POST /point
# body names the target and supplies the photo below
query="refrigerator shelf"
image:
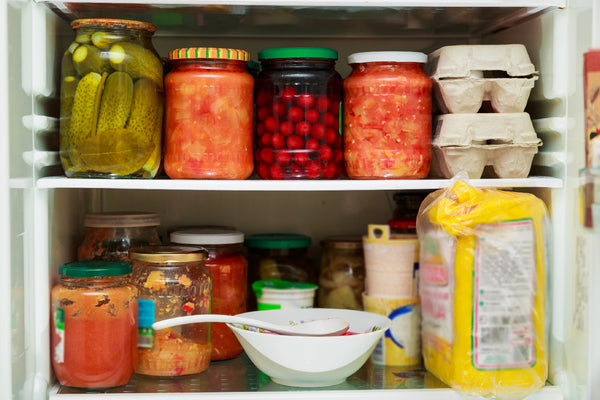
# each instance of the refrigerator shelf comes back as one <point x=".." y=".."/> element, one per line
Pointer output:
<point x="240" y="379"/>
<point x="287" y="185"/>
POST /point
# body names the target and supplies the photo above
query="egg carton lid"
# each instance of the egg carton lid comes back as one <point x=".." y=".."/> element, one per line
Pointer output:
<point x="462" y="61"/>
<point x="509" y="161"/>
<point x="466" y="95"/>
<point x="480" y="128"/>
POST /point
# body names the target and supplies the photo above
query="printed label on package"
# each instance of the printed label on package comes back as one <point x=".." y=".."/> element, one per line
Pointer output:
<point x="145" y="321"/>
<point x="59" y="329"/>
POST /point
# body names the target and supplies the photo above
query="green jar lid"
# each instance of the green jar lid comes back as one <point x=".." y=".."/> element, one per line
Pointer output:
<point x="279" y="284"/>
<point x="94" y="269"/>
<point x="297" y="52"/>
<point x="277" y="241"/>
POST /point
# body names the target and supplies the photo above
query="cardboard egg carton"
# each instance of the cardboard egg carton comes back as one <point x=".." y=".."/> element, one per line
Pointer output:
<point x="470" y="142"/>
<point x="459" y="82"/>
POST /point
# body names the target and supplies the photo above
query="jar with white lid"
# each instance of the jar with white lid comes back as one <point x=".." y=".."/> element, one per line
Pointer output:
<point x="387" y="116"/>
<point x="229" y="269"/>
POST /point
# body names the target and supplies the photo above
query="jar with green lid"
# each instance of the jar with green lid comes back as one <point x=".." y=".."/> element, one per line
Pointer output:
<point x="342" y="273"/>
<point x="298" y="96"/>
<point x="94" y="325"/>
<point x="110" y="235"/>
<point x="172" y="282"/>
<point x="111" y="100"/>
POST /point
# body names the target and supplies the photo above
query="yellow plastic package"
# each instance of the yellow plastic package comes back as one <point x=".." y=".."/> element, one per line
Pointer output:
<point x="482" y="287"/>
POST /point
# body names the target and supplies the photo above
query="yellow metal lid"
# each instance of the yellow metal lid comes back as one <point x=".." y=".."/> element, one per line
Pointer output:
<point x="209" y="53"/>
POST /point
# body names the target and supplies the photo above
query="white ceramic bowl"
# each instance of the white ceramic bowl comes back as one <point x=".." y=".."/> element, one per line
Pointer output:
<point x="310" y="361"/>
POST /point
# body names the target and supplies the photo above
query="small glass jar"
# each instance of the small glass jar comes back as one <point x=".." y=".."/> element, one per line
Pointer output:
<point x="111" y="101"/>
<point x="404" y="219"/>
<point x="94" y="325"/>
<point x="209" y="114"/>
<point x="172" y="281"/>
<point x="229" y="269"/>
<point x="110" y="236"/>
<point x="387" y="116"/>
<point x="342" y="274"/>
<point x="298" y="97"/>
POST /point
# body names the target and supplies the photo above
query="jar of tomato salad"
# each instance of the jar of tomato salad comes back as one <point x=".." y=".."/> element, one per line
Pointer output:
<point x="229" y="269"/>
<point x="110" y="235"/>
<point x="209" y="114"/>
<point x="111" y="101"/>
<point x="387" y="116"/>
<point x="94" y="325"/>
<point x="172" y="281"/>
<point x="298" y="95"/>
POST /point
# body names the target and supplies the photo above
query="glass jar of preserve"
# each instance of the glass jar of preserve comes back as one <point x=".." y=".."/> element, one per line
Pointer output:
<point x="110" y="236"/>
<point x="172" y="281"/>
<point x="111" y="101"/>
<point x="387" y="116"/>
<point x="209" y="114"/>
<point x="298" y="95"/>
<point x="229" y="269"/>
<point x="342" y="274"/>
<point x="406" y="211"/>
<point x="94" y="325"/>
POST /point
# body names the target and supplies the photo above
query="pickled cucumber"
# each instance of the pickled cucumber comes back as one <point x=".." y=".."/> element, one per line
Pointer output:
<point x="104" y="40"/>
<point x="88" y="58"/>
<point x="67" y="68"/>
<point x="82" y="38"/>
<point x="116" y="101"/>
<point x="153" y="163"/>
<point x="146" y="108"/>
<point x="137" y="61"/>
<point x="67" y="93"/>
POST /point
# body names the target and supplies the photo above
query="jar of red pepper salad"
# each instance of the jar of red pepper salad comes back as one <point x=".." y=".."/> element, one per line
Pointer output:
<point x="94" y="325"/>
<point x="229" y="269"/>
<point x="110" y="235"/>
<point x="172" y="281"/>
<point x="387" y="116"/>
<point x="208" y="114"/>
<point x="298" y="95"/>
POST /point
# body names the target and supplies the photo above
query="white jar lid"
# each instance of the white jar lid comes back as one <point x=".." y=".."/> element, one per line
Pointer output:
<point x="387" y="56"/>
<point x="202" y="236"/>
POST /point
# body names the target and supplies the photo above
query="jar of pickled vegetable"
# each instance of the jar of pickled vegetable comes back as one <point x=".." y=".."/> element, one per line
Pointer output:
<point x="387" y="116"/>
<point x="209" y="114"/>
<point x="298" y="95"/>
<point x="110" y="236"/>
<point x="342" y="274"/>
<point x="111" y="101"/>
<point x="229" y="269"/>
<point x="94" y="325"/>
<point x="172" y="281"/>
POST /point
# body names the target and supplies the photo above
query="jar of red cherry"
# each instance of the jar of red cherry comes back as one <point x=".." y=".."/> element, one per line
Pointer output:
<point x="209" y="108"/>
<point x="387" y="116"/>
<point x="298" y="95"/>
<point x="229" y="269"/>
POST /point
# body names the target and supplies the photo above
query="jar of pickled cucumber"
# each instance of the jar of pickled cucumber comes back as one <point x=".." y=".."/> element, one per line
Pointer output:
<point x="111" y="101"/>
<point x="172" y="281"/>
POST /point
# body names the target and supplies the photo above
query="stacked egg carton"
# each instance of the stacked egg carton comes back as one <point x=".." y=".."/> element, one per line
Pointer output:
<point x="465" y="139"/>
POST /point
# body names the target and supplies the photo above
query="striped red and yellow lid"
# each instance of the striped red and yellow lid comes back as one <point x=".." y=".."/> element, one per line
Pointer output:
<point x="209" y="53"/>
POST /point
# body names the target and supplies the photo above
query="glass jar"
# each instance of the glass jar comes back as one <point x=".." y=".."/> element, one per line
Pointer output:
<point x="298" y="96"/>
<point x="387" y="116"/>
<point x="110" y="236"/>
<point x="111" y="101"/>
<point x="209" y="114"/>
<point x="406" y="211"/>
<point x="172" y="281"/>
<point x="94" y="325"/>
<point x="229" y="269"/>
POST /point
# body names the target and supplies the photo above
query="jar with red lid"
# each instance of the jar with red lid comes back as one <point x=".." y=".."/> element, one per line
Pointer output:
<point x="110" y="235"/>
<point x="111" y="100"/>
<point x="229" y="269"/>
<point x="387" y="116"/>
<point x="94" y="325"/>
<point x="209" y="98"/>
<point x="172" y="281"/>
<point x="298" y="96"/>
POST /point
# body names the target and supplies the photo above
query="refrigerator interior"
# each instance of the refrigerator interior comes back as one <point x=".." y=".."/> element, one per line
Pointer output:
<point x="42" y="211"/>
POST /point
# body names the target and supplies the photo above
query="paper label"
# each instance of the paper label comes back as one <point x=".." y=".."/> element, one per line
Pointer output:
<point x="59" y="329"/>
<point x="503" y="295"/>
<point x="145" y="321"/>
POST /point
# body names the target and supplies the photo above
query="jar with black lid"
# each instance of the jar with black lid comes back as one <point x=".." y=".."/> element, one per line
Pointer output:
<point x="298" y="95"/>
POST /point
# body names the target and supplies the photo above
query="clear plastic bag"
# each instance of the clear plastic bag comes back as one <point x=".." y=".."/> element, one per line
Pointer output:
<point x="483" y="265"/>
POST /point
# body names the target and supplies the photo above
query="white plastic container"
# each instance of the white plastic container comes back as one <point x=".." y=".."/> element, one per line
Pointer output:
<point x="274" y="294"/>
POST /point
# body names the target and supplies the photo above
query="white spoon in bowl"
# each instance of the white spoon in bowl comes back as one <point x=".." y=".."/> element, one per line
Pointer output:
<point x="319" y="327"/>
